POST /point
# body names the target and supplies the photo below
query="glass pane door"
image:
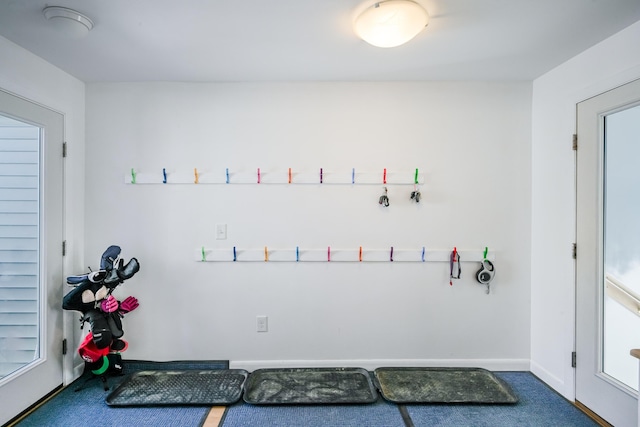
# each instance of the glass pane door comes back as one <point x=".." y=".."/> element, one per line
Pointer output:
<point x="621" y="296"/>
<point x="31" y="235"/>
<point x="19" y="242"/>
<point x="607" y="231"/>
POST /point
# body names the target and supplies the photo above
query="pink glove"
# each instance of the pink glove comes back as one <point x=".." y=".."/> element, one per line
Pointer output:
<point x="129" y="304"/>
<point x="109" y="305"/>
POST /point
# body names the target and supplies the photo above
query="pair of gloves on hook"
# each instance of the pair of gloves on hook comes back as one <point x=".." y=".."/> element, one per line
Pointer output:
<point x="384" y="199"/>
<point x="92" y="296"/>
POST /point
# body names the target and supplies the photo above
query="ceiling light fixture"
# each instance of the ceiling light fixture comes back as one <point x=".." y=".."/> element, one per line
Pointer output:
<point x="391" y="23"/>
<point x="69" y="21"/>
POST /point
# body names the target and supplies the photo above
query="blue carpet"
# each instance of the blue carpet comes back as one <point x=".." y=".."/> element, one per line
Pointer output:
<point x="539" y="405"/>
<point x="87" y="407"/>
<point x="379" y="414"/>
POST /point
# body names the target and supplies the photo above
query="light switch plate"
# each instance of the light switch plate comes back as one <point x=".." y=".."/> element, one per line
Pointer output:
<point x="221" y="231"/>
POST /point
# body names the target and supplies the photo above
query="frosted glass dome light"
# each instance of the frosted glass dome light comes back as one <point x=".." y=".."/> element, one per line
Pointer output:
<point x="68" y="21"/>
<point x="391" y="23"/>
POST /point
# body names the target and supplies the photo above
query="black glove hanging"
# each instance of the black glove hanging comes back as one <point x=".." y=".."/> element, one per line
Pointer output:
<point x="384" y="199"/>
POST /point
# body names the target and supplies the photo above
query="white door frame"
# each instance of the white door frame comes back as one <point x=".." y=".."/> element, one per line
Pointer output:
<point x="594" y="389"/>
<point x="31" y="383"/>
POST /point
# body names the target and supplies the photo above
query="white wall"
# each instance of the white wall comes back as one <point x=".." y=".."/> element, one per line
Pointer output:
<point x="30" y="77"/>
<point x="471" y="139"/>
<point x="611" y="63"/>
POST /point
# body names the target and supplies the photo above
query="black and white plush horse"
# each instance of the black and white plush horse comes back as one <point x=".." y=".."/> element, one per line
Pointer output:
<point x="92" y="296"/>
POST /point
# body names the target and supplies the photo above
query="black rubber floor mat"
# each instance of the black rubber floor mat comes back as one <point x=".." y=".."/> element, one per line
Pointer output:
<point x="189" y="387"/>
<point x="309" y="386"/>
<point x="442" y="385"/>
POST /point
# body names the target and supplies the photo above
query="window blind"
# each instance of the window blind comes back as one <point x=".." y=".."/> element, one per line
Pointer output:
<point x="19" y="244"/>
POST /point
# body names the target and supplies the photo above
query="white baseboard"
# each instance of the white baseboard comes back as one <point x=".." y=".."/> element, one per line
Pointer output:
<point x="553" y="381"/>
<point x="371" y="364"/>
<point x="78" y="370"/>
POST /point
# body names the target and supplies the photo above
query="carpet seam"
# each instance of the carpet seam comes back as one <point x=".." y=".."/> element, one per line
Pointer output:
<point x="224" y="416"/>
<point x="406" y="417"/>
<point x="204" y="417"/>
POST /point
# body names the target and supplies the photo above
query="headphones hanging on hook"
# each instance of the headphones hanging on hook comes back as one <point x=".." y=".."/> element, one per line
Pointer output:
<point x="486" y="273"/>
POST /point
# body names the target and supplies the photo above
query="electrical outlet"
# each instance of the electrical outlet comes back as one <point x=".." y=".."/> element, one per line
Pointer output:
<point x="262" y="324"/>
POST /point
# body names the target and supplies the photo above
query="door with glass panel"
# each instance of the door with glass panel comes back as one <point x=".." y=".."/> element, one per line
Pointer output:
<point x="31" y="209"/>
<point x="608" y="254"/>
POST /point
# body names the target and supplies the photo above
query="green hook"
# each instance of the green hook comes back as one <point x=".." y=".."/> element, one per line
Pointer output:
<point x="204" y="255"/>
<point x="133" y="176"/>
<point x="486" y="251"/>
<point x="415" y="179"/>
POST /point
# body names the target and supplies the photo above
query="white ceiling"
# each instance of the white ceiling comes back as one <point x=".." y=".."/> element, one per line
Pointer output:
<point x="311" y="40"/>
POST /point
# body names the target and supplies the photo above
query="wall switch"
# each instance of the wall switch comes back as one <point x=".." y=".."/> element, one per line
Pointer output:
<point x="262" y="324"/>
<point x="221" y="231"/>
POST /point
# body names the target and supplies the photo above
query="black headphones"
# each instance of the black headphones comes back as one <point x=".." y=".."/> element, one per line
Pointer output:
<point x="486" y="272"/>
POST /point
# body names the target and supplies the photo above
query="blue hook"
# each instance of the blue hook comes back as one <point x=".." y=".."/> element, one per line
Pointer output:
<point x="297" y="254"/>
<point x="234" y="254"/>
<point x="353" y="175"/>
<point x="164" y="176"/>
<point x="391" y="255"/>
<point x="227" y="175"/>
<point x="423" y="254"/>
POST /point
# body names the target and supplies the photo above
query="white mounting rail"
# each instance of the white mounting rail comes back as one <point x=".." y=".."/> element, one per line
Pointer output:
<point x="286" y="176"/>
<point x="329" y="254"/>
